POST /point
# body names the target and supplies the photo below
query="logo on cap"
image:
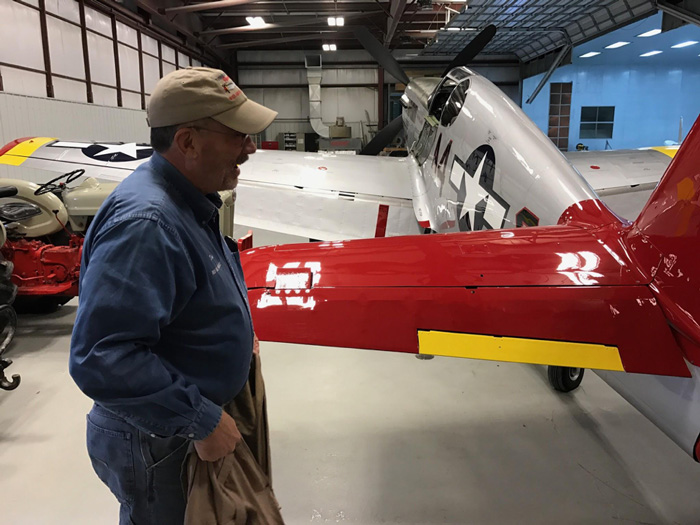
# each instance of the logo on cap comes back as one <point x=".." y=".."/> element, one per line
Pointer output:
<point x="230" y="88"/>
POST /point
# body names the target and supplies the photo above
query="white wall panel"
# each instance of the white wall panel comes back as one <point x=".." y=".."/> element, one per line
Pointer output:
<point x="66" y="8"/>
<point x="22" y="116"/>
<point x="168" y="53"/>
<point x="35" y="3"/>
<point x="23" y="82"/>
<point x="298" y="76"/>
<point x="292" y="104"/>
<point x="168" y="68"/>
<point x="104" y="96"/>
<point x="66" y="48"/>
<point x="131" y="100"/>
<point x="151" y="73"/>
<point x="69" y="90"/>
<point x="127" y="35"/>
<point x="289" y="103"/>
<point x="129" y="68"/>
<point x="350" y="103"/>
<point x="271" y="77"/>
<point x="101" y="51"/>
<point x="196" y="63"/>
<point x="149" y="45"/>
<point x="349" y="76"/>
<point x="349" y="56"/>
<point x="20" y="35"/>
<point x="183" y="60"/>
<point x="97" y="22"/>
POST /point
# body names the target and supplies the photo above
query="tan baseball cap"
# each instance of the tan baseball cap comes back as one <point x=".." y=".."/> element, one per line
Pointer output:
<point x="195" y="93"/>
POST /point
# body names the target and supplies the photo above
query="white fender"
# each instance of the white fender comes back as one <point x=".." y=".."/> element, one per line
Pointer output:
<point x="44" y="224"/>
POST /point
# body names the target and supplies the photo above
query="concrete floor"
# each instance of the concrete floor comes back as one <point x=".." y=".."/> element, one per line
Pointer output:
<point x="369" y="437"/>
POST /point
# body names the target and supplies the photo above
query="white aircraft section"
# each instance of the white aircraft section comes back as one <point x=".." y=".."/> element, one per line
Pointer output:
<point x="672" y="403"/>
<point x="491" y="171"/>
<point x="610" y="172"/>
<point x="326" y="196"/>
<point x="379" y="176"/>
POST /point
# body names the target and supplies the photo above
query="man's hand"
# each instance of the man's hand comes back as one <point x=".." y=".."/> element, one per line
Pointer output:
<point x="221" y="442"/>
<point x="256" y="345"/>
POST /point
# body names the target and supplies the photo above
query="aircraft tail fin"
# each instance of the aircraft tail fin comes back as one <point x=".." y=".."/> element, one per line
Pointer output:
<point x="665" y="240"/>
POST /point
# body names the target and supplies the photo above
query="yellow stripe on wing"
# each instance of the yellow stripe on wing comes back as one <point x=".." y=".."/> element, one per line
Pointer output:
<point x="667" y="150"/>
<point x="519" y="350"/>
<point x="22" y="151"/>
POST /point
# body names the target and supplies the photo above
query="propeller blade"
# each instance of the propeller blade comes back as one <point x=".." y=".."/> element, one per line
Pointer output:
<point x="473" y="48"/>
<point x="381" y="54"/>
<point x="382" y="139"/>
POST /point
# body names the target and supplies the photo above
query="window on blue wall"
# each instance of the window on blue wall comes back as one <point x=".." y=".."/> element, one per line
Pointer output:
<point x="597" y="122"/>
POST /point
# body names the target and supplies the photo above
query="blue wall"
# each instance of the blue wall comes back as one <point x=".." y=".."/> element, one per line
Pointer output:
<point x="649" y="101"/>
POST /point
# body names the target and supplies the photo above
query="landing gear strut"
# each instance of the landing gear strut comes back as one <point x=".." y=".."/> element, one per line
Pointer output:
<point x="564" y="378"/>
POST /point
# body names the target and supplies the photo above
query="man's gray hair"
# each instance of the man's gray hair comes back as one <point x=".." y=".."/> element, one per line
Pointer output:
<point x="162" y="138"/>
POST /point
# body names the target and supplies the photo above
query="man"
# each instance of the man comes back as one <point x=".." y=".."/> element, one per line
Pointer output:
<point x="163" y="337"/>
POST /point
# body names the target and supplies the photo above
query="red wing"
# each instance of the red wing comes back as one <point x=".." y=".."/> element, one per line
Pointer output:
<point x="559" y="295"/>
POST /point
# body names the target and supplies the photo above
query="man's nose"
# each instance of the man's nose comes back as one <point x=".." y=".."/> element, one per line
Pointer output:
<point x="249" y="147"/>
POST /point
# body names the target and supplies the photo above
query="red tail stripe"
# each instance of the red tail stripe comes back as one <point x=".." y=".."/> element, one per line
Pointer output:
<point x="382" y="218"/>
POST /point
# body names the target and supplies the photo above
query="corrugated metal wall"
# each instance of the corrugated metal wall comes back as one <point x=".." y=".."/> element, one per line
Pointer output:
<point x="22" y="116"/>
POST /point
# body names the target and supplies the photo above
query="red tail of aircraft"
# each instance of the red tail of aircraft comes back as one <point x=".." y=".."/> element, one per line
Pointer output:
<point x="664" y="242"/>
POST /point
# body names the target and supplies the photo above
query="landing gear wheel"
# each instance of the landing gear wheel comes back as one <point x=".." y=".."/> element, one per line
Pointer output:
<point x="565" y="378"/>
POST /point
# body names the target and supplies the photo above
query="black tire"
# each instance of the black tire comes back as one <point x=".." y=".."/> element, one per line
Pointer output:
<point x="8" y="326"/>
<point x="564" y="378"/>
<point x="8" y="290"/>
<point x="25" y="304"/>
<point x="6" y="268"/>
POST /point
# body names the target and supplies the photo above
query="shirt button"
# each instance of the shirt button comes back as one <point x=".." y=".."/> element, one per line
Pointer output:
<point x="190" y="435"/>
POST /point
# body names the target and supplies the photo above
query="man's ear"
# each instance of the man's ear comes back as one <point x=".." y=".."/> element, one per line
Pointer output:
<point x="185" y="141"/>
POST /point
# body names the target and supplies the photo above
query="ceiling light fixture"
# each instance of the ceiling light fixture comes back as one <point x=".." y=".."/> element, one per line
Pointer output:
<point x="650" y="53"/>
<point x="685" y="44"/>
<point x="326" y="47"/>
<point x="616" y="45"/>
<point x="334" y="47"/>
<point x="590" y="54"/>
<point x="336" y="21"/>
<point x="255" y="21"/>
<point x="653" y="32"/>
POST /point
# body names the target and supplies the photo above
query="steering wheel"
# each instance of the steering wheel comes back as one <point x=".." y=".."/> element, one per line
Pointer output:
<point x="51" y="186"/>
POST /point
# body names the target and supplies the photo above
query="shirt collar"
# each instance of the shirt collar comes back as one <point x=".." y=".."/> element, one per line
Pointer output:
<point x="203" y="206"/>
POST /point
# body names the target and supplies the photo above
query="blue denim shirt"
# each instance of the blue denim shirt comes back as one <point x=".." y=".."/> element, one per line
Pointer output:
<point x="163" y="335"/>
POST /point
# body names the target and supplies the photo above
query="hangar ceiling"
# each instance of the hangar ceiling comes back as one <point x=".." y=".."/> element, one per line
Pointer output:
<point x="527" y="29"/>
<point x="530" y="29"/>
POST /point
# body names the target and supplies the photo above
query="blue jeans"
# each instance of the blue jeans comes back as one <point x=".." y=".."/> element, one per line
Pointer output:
<point x="142" y="471"/>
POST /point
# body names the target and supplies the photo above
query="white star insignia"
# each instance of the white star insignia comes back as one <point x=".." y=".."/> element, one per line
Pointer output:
<point x="129" y="149"/>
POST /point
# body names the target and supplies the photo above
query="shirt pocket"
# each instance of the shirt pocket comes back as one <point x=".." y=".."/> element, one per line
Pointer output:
<point x="112" y="457"/>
